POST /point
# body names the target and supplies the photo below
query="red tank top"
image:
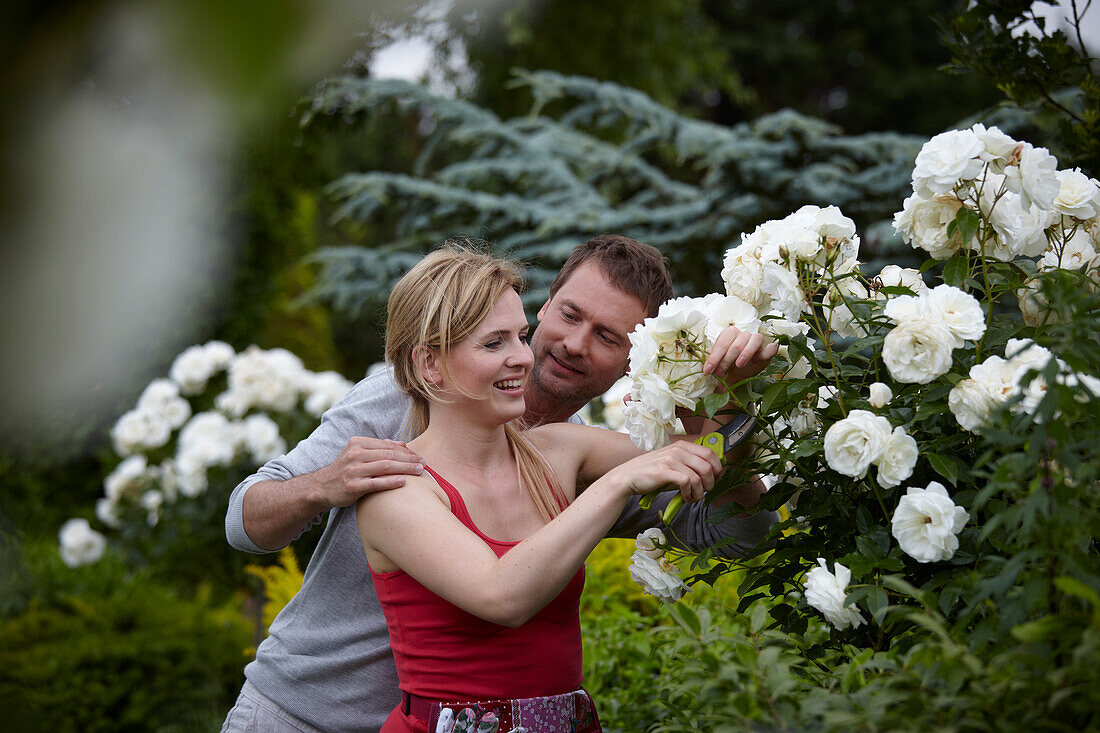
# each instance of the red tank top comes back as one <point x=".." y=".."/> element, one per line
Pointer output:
<point x="445" y="653"/>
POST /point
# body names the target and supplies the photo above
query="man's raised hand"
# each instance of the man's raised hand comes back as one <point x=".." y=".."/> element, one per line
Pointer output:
<point x="738" y="355"/>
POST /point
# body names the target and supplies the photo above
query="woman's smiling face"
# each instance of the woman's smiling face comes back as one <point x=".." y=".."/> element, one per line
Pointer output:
<point x="491" y="364"/>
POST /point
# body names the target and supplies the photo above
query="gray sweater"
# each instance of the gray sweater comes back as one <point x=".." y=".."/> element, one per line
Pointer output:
<point x="327" y="658"/>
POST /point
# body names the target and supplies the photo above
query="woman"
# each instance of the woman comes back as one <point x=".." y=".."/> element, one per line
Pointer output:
<point x="478" y="563"/>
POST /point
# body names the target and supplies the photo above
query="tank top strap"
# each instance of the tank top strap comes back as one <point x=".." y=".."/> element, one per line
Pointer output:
<point x="458" y="508"/>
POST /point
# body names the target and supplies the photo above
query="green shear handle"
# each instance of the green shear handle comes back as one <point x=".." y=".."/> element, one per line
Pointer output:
<point x="720" y="441"/>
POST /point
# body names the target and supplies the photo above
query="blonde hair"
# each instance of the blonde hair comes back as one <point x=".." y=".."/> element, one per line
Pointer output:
<point x="435" y="305"/>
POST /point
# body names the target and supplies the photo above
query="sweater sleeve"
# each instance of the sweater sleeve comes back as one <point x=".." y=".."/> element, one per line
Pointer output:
<point x="374" y="408"/>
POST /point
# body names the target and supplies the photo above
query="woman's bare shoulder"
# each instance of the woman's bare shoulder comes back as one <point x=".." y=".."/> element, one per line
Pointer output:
<point x="416" y="491"/>
<point x="557" y="431"/>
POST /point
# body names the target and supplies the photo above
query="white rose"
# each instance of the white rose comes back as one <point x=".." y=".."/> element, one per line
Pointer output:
<point x="208" y="438"/>
<point x="192" y="369"/>
<point x="1025" y="354"/>
<point x="879" y="395"/>
<point x="745" y="279"/>
<point x="1034" y="392"/>
<point x="131" y="432"/>
<point x="127" y="479"/>
<point x="266" y="379"/>
<point x="999" y="377"/>
<point x="803" y="421"/>
<point x="1078" y="195"/>
<point x="898" y="459"/>
<point x="945" y="160"/>
<point x="106" y="511"/>
<point x="647" y="430"/>
<point x="904" y="308"/>
<point x="959" y="311"/>
<point x="1035" y="177"/>
<point x="971" y="404"/>
<point x="1032" y="303"/>
<point x="826" y="393"/>
<point x="998" y="146"/>
<point x="653" y="393"/>
<point x="657" y="577"/>
<point x="1022" y="229"/>
<point x="79" y="543"/>
<point x="651" y="543"/>
<point x="324" y="391"/>
<point x="922" y="222"/>
<point x="191" y="474"/>
<point x="161" y="403"/>
<point x="830" y="222"/>
<point x="151" y="501"/>
<point x="826" y="592"/>
<point x="844" y="289"/>
<point x="262" y="439"/>
<point x="905" y="277"/>
<point x="613" y="404"/>
<point x="917" y="351"/>
<point x="783" y="293"/>
<point x="783" y="327"/>
<point x="723" y="311"/>
<point x="799" y="367"/>
<point x="1074" y="253"/>
<point x="926" y="523"/>
<point x="219" y="353"/>
<point x="855" y="442"/>
<point x="157" y="394"/>
<point x="232" y="403"/>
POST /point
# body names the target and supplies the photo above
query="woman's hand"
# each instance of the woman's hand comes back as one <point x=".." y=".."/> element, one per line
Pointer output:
<point x="683" y="465"/>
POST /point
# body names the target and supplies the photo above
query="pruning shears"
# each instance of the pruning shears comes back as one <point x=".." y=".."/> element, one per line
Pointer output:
<point x="721" y="441"/>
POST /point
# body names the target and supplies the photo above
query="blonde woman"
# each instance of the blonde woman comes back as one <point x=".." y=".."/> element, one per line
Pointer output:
<point x="478" y="563"/>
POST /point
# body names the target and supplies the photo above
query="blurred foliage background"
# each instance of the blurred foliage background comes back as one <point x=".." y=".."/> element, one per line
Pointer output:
<point x="175" y="172"/>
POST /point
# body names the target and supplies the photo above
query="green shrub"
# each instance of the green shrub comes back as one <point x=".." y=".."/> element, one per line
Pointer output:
<point x="103" y="649"/>
<point x="623" y="658"/>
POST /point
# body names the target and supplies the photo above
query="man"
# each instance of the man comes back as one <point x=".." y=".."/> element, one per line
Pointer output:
<point x="326" y="664"/>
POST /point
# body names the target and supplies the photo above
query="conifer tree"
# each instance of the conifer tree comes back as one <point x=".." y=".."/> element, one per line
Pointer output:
<point x="590" y="158"/>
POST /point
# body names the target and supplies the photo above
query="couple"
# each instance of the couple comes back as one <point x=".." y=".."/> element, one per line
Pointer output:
<point x="473" y="525"/>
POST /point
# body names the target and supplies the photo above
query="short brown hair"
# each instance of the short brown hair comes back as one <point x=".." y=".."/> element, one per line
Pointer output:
<point x="633" y="267"/>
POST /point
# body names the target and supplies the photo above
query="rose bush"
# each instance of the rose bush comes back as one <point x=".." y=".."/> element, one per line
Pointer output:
<point x="191" y="437"/>
<point x="930" y="431"/>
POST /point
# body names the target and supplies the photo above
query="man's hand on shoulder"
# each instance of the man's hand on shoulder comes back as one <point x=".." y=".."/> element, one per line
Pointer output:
<point x="363" y="466"/>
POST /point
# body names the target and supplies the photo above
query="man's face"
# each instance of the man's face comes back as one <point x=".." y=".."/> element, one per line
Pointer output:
<point x="581" y="344"/>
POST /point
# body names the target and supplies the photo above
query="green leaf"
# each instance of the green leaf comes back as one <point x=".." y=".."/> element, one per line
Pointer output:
<point x="771" y="394"/>
<point x="955" y="271"/>
<point x="714" y="402"/>
<point x="683" y="615"/>
<point x="1038" y="630"/>
<point x="896" y="290"/>
<point x="944" y="466"/>
<point x="1075" y="587"/>
<point x="877" y="603"/>
<point x="965" y="225"/>
<point x="758" y="618"/>
<point x="808" y="448"/>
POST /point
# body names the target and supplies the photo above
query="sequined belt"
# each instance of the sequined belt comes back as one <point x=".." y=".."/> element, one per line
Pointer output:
<point x="571" y="712"/>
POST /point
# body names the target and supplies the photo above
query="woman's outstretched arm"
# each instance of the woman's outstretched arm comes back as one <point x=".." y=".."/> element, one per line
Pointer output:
<point x="411" y="528"/>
